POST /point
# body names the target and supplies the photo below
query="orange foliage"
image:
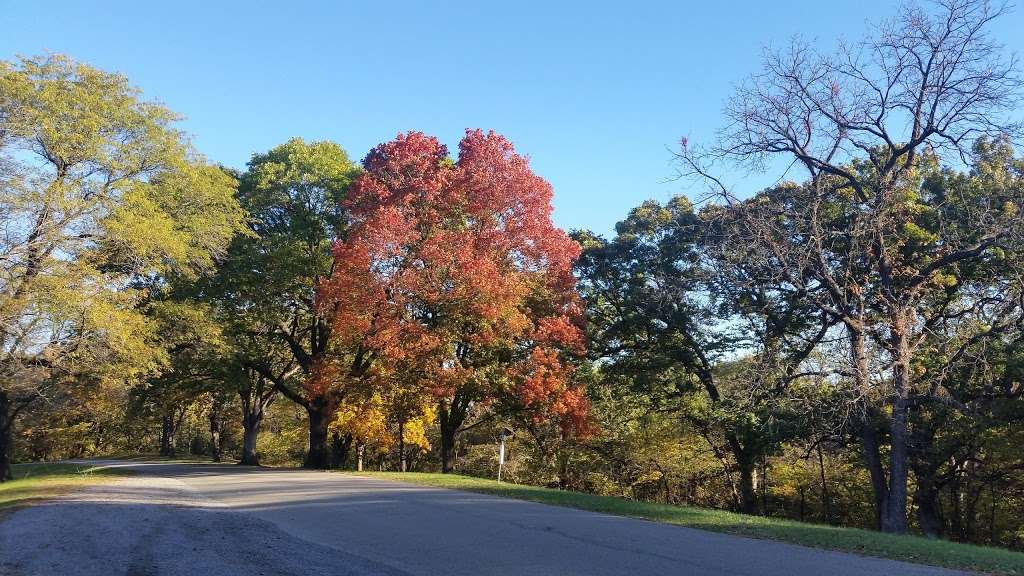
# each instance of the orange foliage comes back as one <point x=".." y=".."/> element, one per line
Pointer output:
<point x="454" y="272"/>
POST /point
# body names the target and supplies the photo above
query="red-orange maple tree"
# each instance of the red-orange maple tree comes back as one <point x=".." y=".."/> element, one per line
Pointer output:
<point x="454" y="274"/>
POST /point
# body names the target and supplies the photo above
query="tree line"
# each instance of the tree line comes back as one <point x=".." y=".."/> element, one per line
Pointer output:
<point x="844" y="346"/>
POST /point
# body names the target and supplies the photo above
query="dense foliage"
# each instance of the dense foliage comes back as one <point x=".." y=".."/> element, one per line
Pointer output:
<point x="456" y="285"/>
<point x="844" y="347"/>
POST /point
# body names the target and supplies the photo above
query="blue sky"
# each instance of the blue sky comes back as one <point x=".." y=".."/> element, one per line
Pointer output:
<point x="595" y="93"/>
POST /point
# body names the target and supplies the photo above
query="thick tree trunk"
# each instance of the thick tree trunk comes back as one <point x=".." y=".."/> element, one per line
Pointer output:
<point x="6" y="440"/>
<point x="341" y="445"/>
<point x="360" y="453"/>
<point x="167" y="436"/>
<point x="873" y="461"/>
<point x="216" y="425"/>
<point x="318" y="455"/>
<point x="748" y="486"/>
<point x="255" y="397"/>
<point x="866" y="432"/>
<point x="956" y="525"/>
<point x="973" y="493"/>
<point x="563" y="477"/>
<point x="99" y="439"/>
<point x="929" y="513"/>
<point x="895" y="518"/>
<point x="334" y="458"/>
<point x="251" y="430"/>
<point x="215" y="445"/>
<point x="451" y="415"/>
<point x="765" y="508"/>
<point x="747" y="468"/>
<point x="448" y="434"/>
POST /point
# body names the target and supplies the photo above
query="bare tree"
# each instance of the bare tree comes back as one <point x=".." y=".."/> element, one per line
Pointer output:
<point x="867" y="124"/>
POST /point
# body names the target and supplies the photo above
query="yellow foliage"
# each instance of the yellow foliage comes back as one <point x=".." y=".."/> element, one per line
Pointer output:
<point x="101" y="194"/>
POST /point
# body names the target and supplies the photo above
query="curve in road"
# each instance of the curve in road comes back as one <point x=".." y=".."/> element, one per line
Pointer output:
<point x="187" y="519"/>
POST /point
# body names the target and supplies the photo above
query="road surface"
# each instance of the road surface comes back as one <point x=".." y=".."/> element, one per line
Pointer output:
<point x="185" y="519"/>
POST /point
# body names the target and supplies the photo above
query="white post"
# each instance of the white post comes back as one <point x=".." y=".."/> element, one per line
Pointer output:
<point x="501" y="457"/>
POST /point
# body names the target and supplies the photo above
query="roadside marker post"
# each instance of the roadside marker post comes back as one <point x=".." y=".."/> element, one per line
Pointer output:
<point x="506" y="433"/>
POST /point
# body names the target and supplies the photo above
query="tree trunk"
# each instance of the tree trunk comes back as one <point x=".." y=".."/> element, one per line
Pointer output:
<point x="255" y="398"/>
<point x="748" y="485"/>
<point x="215" y="449"/>
<point x="873" y="461"/>
<point x="447" y="448"/>
<point x="747" y="468"/>
<point x="803" y="501"/>
<point x="251" y="430"/>
<point x="318" y="455"/>
<point x="402" y="464"/>
<point x="563" y="477"/>
<point x="765" y="509"/>
<point x="929" y="513"/>
<point x="335" y="455"/>
<point x="346" y="449"/>
<point x="826" y="500"/>
<point x="6" y="441"/>
<point x="451" y="414"/>
<point x="341" y="445"/>
<point x="167" y="435"/>
<point x="216" y="424"/>
<point x="992" y="540"/>
<point x="973" y="492"/>
<point x="360" y="452"/>
<point x="956" y="525"/>
<point x="866" y="432"/>
<point x="894" y="520"/>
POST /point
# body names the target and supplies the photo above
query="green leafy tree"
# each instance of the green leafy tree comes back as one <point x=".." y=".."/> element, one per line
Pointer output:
<point x="674" y="313"/>
<point x="266" y="288"/>
<point x="966" y="367"/>
<point x="194" y="342"/>
<point x="860" y="238"/>
<point x="97" y="190"/>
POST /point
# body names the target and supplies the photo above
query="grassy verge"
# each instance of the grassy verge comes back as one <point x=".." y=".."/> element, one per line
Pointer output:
<point x="868" y="543"/>
<point x="34" y="482"/>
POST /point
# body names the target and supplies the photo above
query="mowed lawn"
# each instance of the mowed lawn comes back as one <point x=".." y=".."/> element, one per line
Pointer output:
<point x="34" y="482"/>
<point x="865" y="542"/>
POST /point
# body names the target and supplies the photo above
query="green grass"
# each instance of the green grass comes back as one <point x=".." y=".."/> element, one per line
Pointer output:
<point x="35" y="482"/>
<point x="865" y="542"/>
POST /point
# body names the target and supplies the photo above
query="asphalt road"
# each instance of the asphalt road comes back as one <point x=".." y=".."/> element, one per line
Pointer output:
<point x="172" y="519"/>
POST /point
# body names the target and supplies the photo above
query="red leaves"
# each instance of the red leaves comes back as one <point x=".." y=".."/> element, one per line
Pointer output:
<point x="560" y="331"/>
<point x="456" y="267"/>
<point x="545" y="390"/>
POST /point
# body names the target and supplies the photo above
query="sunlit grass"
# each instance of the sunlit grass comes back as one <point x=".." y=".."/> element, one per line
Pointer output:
<point x="34" y="482"/>
<point x="865" y="542"/>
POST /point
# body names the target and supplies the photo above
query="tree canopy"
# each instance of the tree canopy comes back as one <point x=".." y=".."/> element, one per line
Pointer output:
<point x="454" y="279"/>
<point x="101" y="199"/>
<point x="844" y="346"/>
